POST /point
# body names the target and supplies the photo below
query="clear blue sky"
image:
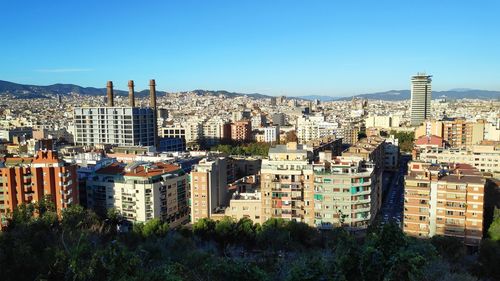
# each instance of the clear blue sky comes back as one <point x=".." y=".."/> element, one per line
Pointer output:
<point x="273" y="47"/>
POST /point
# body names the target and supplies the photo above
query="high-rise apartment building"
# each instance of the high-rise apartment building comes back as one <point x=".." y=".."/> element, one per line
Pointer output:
<point x="344" y="188"/>
<point x="194" y="130"/>
<point x="258" y="120"/>
<point x="460" y="133"/>
<point x="216" y="129"/>
<point x="122" y="126"/>
<point x="372" y="149"/>
<point x="391" y="150"/>
<point x="278" y="119"/>
<point x="209" y="181"/>
<point x="444" y="200"/>
<point x="420" y="106"/>
<point x="287" y="184"/>
<point x="241" y="130"/>
<point x="26" y="180"/>
<point x="272" y="134"/>
<point x="312" y="127"/>
<point x="141" y="191"/>
<point x="350" y="131"/>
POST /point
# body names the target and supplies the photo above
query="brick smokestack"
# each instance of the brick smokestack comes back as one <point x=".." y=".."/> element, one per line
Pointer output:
<point x="152" y="104"/>
<point x="109" y="87"/>
<point x="152" y="94"/>
<point x="131" y="98"/>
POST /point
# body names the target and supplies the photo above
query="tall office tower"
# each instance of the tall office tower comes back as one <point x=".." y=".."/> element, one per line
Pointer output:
<point x="420" y="107"/>
<point x="209" y="192"/>
<point x="273" y="101"/>
<point x="344" y="188"/>
<point x="444" y="200"/>
<point x="122" y="126"/>
<point x="141" y="192"/>
<point x="287" y="184"/>
<point x="26" y="180"/>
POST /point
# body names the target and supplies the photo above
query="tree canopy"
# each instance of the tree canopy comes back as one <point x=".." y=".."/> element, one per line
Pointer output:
<point x="80" y="245"/>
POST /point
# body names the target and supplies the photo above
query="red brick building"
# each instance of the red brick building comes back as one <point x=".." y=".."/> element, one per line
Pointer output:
<point x="241" y="130"/>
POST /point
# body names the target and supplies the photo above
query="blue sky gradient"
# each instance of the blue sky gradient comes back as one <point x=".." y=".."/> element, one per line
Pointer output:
<point x="288" y="47"/>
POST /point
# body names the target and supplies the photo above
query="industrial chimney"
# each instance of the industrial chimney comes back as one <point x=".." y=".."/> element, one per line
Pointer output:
<point x="152" y="104"/>
<point x="109" y="88"/>
<point x="152" y="94"/>
<point x="131" y="98"/>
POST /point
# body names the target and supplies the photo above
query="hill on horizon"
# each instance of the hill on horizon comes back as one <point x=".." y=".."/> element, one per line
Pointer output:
<point x="22" y="91"/>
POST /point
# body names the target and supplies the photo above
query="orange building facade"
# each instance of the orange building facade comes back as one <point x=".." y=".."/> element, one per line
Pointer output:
<point x="27" y="180"/>
<point x="241" y="130"/>
<point x="444" y="200"/>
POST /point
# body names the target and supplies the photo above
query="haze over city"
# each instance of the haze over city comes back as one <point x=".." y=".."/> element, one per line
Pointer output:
<point x="332" y="48"/>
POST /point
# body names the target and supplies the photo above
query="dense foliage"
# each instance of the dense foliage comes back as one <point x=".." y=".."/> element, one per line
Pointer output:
<point x="494" y="230"/>
<point x="254" y="149"/>
<point x="83" y="246"/>
<point x="405" y="140"/>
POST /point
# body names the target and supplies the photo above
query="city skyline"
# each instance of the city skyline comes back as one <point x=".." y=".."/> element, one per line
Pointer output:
<point x="278" y="48"/>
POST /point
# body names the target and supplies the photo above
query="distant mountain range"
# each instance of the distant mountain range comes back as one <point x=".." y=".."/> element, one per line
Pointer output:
<point x="32" y="91"/>
<point x="396" y="95"/>
<point x="21" y="91"/>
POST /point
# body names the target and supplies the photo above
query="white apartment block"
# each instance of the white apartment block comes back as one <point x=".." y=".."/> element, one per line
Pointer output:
<point x="194" y="130"/>
<point x="122" y="126"/>
<point x="215" y="129"/>
<point x="140" y="192"/>
<point x="385" y="122"/>
<point x="391" y="150"/>
<point x="314" y="127"/>
<point x="272" y="134"/>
